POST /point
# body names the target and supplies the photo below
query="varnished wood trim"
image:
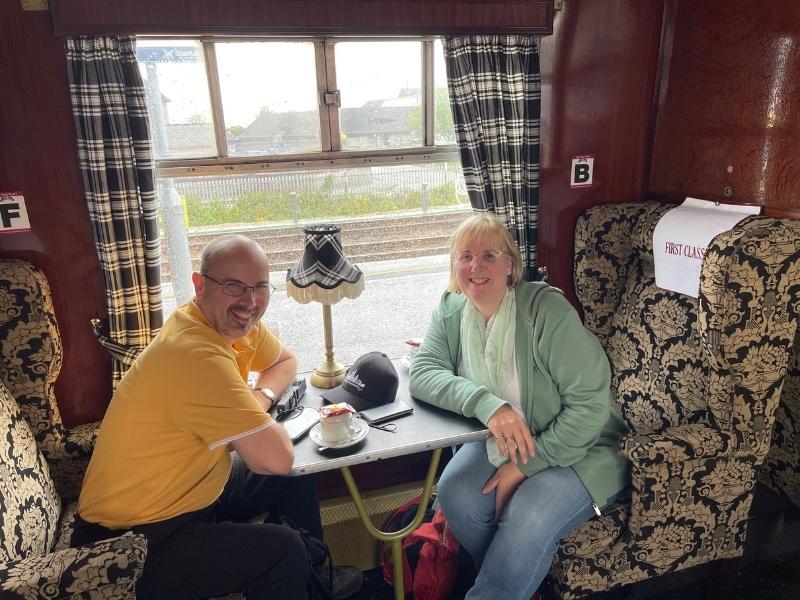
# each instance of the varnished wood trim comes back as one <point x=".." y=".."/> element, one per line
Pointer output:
<point x="302" y="17"/>
<point x="668" y="17"/>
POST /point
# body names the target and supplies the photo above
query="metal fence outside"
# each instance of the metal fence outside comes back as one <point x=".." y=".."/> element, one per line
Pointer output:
<point x="376" y="181"/>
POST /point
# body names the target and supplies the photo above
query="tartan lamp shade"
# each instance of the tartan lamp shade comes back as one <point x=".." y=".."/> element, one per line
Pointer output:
<point x="323" y="274"/>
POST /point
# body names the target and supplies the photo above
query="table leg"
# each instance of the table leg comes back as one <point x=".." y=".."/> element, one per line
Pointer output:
<point x="394" y="537"/>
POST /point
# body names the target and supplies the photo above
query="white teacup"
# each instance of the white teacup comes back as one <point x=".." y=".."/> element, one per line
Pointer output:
<point x="337" y="423"/>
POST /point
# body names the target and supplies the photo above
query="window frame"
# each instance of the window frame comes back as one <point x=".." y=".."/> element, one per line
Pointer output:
<point x="331" y="156"/>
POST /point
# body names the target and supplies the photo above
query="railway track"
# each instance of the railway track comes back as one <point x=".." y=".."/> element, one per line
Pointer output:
<point x="363" y="240"/>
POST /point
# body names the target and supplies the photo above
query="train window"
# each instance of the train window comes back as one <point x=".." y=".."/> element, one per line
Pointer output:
<point x="264" y="136"/>
<point x="263" y="118"/>
<point x="380" y="107"/>
<point x="179" y="105"/>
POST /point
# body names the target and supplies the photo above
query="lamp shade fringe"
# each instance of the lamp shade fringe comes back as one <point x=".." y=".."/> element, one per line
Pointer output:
<point x="314" y="293"/>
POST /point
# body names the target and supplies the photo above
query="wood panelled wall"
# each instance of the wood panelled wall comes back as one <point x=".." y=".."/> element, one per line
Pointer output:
<point x="38" y="156"/>
<point x="729" y="117"/>
<point x="599" y="71"/>
<point x="729" y="96"/>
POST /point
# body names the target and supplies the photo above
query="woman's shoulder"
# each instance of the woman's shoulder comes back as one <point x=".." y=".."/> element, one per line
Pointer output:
<point x="451" y="303"/>
<point x="534" y="297"/>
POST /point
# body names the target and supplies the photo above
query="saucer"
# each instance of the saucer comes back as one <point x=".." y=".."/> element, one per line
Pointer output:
<point x="405" y="361"/>
<point x="362" y="429"/>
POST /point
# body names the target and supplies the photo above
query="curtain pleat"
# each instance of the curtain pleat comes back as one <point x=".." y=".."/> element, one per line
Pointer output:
<point x="495" y="96"/>
<point x="116" y="161"/>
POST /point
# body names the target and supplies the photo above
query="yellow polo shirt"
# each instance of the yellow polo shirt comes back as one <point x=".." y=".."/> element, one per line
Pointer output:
<point x="162" y="449"/>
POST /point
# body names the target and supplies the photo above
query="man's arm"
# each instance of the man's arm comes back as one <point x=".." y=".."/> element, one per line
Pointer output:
<point x="266" y="451"/>
<point x="280" y="374"/>
<point x="269" y="451"/>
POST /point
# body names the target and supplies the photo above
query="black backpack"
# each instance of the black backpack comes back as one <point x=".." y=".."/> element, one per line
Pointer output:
<point x="318" y="554"/>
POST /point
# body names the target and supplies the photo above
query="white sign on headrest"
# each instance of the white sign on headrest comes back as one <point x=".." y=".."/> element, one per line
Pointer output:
<point x="681" y="237"/>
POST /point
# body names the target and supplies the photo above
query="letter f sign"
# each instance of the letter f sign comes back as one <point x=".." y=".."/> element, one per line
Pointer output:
<point x="13" y="216"/>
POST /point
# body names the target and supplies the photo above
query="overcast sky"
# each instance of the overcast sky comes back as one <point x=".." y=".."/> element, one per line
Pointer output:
<point x="282" y="76"/>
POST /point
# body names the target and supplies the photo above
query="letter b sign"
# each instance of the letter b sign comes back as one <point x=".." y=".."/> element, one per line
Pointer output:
<point x="581" y="174"/>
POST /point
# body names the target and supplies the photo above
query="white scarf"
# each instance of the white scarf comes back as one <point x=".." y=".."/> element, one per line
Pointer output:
<point x="487" y="348"/>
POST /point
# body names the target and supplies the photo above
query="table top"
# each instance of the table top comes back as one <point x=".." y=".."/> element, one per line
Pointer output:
<point x="427" y="428"/>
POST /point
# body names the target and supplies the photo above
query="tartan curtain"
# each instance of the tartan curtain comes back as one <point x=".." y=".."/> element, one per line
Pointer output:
<point x="108" y="103"/>
<point x="495" y="96"/>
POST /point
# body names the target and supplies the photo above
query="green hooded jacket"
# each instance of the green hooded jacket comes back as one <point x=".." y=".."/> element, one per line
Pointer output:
<point x="564" y="381"/>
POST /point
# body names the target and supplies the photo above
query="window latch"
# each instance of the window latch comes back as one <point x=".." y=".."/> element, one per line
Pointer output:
<point x="333" y="98"/>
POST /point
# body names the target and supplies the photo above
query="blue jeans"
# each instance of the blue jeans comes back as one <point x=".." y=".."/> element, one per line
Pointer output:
<point x="512" y="556"/>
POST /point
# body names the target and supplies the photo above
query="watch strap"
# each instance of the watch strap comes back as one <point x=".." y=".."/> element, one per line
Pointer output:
<point x="267" y="393"/>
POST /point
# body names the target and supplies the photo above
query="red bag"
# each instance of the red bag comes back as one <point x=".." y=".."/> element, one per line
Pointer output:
<point x="430" y="554"/>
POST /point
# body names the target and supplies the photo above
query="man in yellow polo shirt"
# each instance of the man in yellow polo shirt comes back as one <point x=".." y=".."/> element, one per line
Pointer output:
<point x="163" y="464"/>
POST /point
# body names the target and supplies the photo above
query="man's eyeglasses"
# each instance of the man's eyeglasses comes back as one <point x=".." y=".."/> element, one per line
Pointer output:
<point x="236" y="288"/>
<point x="488" y="257"/>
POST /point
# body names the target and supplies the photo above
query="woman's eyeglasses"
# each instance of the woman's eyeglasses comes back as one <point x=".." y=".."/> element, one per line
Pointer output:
<point x="488" y="257"/>
<point x="236" y="288"/>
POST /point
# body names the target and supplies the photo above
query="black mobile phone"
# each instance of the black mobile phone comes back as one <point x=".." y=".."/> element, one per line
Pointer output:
<point x="290" y="398"/>
<point x="298" y="426"/>
<point x="385" y="412"/>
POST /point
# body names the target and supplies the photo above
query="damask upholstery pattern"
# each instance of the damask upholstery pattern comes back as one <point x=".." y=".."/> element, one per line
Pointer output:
<point x="30" y="348"/>
<point x="781" y="468"/>
<point x="30" y="511"/>
<point x="698" y="382"/>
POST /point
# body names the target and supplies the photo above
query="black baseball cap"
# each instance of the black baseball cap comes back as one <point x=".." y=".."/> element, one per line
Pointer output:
<point x="371" y="380"/>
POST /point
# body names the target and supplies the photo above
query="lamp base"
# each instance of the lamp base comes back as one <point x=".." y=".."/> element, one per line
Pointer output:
<point x="329" y="374"/>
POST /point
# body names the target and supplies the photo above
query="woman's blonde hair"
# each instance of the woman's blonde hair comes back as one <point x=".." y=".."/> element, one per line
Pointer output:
<point x="479" y="226"/>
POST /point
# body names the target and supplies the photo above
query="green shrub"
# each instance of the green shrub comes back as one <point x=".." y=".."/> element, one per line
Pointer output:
<point x="262" y="207"/>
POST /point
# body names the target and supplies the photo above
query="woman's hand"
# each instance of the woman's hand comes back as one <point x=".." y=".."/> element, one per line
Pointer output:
<point x="505" y="482"/>
<point x="512" y="434"/>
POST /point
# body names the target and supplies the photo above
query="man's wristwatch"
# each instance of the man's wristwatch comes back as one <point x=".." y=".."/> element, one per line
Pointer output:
<point x="267" y="393"/>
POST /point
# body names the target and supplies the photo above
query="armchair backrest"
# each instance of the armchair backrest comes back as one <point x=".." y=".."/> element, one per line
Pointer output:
<point x="720" y="358"/>
<point x="29" y="505"/>
<point x="30" y="349"/>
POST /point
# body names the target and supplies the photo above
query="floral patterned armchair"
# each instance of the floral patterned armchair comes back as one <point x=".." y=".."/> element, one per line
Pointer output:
<point x="30" y="353"/>
<point x="42" y="462"/>
<point x="781" y="468"/>
<point x="35" y="529"/>
<point x="698" y="382"/>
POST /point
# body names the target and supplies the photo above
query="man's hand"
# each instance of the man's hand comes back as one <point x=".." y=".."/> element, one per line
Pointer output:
<point x="504" y="482"/>
<point x="512" y="434"/>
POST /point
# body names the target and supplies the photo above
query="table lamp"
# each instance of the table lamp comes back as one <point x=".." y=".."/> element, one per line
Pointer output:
<point x="324" y="275"/>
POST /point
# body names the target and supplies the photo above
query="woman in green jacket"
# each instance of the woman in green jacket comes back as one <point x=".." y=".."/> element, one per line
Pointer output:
<point x="516" y="356"/>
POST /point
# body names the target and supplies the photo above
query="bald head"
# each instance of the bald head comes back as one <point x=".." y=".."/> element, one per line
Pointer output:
<point x="228" y="246"/>
<point x="239" y="260"/>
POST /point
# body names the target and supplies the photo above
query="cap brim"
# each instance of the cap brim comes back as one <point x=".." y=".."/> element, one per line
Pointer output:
<point x="339" y="394"/>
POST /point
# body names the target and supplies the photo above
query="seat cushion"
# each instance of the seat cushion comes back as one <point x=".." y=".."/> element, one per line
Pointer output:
<point x="29" y="505"/>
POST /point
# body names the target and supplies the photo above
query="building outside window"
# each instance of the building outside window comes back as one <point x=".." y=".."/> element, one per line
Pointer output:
<point x="264" y="136"/>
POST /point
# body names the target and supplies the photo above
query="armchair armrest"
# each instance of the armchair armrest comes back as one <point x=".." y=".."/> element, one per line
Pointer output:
<point x="111" y="565"/>
<point x="58" y="442"/>
<point x="677" y="444"/>
<point x="67" y="452"/>
<point x="80" y="440"/>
